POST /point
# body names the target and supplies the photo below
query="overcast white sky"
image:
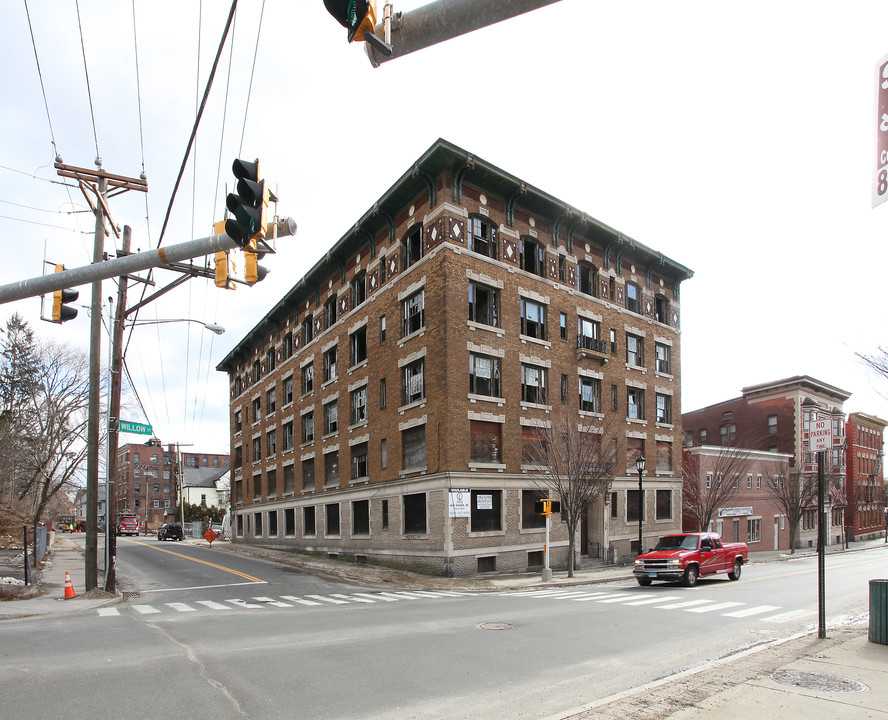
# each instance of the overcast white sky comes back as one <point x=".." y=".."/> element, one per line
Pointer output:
<point x="737" y="138"/>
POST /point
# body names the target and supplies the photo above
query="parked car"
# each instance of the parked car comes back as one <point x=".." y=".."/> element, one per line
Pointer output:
<point x="170" y="531"/>
<point x="217" y="528"/>
<point x="688" y="556"/>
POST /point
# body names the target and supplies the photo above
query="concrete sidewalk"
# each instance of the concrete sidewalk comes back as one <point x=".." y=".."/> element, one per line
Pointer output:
<point x="66" y="556"/>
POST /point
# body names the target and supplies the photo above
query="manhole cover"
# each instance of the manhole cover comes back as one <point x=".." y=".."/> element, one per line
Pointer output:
<point x="496" y="626"/>
<point x="818" y="681"/>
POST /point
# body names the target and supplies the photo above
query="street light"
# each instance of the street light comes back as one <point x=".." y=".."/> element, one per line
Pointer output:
<point x="639" y="465"/>
<point x="212" y="327"/>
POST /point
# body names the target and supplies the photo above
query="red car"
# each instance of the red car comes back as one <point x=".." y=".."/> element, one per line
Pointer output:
<point x="689" y="556"/>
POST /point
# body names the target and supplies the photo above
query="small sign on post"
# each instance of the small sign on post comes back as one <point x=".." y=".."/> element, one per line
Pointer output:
<point x="820" y="435"/>
<point x="133" y="427"/>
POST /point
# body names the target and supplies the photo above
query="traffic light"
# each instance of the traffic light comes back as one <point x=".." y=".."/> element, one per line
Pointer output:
<point x="247" y="204"/>
<point x="253" y="271"/>
<point x="547" y="507"/>
<point x="224" y="270"/>
<point x="356" y="16"/>
<point x="60" y="299"/>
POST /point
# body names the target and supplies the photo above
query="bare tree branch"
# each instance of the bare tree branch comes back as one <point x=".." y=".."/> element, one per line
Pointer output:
<point x="709" y="486"/>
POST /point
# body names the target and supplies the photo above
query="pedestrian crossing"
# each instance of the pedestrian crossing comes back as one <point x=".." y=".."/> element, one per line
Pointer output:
<point x="283" y="601"/>
<point x="731" y="609"/>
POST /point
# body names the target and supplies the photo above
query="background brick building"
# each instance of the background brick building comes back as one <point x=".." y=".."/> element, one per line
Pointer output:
<point x="771" y="417"/>
<point x="417" y="361"/>
<point x="147" y="480"/>
<point x="865" y="513"/>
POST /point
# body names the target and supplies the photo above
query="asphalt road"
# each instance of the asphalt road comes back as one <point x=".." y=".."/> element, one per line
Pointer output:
<point x="199" y="641"/>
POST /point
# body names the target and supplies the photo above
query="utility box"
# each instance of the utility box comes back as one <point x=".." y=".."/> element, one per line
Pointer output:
<point x="878" y="611"/>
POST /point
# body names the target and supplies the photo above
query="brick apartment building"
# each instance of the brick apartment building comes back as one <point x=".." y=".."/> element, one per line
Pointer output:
<point x="865" y="513"/>
<point x="750" y="514"/>
<point x="147" y="479"/>
<point x="411" y="368"/>
<point x="771" y="417"/>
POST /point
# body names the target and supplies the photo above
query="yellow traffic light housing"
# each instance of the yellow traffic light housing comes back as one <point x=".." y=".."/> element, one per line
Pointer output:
<point x="60" y="299"/>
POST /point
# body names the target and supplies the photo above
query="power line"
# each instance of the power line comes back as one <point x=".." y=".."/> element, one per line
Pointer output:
<point x="88" y="90"/>
<point x="40" y="75"/>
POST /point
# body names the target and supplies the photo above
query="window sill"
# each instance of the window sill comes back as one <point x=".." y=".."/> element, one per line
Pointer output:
<point x="474" y="398"/>
<point x="363" y="423"/>
<point x="358" y="366"/>
<point x="535" y="341"/>
<point x="639" y="368"/>
<point x="487" y="533"/>
<point x="636" y="421"/>
<point x="592" y="413"/>
<point x="363" y="480"/>
<point x="410" y="336"/>
<point x="498" y="331"/>
<point x="413" y="470"/>
<point x="411" y="405"/>
<point x="535" y="406"/>
<point x="665" y="376"/>
<point x="665" y="425"/>
<point x="499" y="467"/>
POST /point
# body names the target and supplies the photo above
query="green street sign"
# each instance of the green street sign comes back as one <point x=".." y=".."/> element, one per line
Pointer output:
<point x="131" y="427"/>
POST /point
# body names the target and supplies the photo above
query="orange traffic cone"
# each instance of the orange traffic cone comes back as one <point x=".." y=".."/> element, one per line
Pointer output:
<point x="69" y="587"/>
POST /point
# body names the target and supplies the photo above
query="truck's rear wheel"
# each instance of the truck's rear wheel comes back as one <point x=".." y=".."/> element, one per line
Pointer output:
<point x="738" y="566"/>
<point x="692" y="572"/>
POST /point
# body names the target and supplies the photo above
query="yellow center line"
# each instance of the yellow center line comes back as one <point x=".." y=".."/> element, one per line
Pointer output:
<point x="202" y="562"/>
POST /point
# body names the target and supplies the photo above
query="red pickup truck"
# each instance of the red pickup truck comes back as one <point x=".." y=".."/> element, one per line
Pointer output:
<point x="689" y="556"/>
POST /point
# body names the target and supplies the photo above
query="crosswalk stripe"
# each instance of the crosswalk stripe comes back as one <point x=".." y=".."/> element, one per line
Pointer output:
<point x="374" y="598"/>
<point x="212" y="605"/>
<point x="653" y="600"/>
<point x="244" y="604"/>
<point x="686" y="603"/>
<point x="749" y="612"/>
<point x="615" y="599"/>
<point x="713" y="608"/>
<point x="406" y="594"/>
<point x="105" y="612"/>
<point x="351" y="598"/>
<point x="301" y="601"/>
<point x="791" y="615"/>
<point x="270" y="601"/>
<point x="145" y="609"/>
<point x="599" y="597"/>
<point x="180" y="607"/>
<point x="333" y="601"/>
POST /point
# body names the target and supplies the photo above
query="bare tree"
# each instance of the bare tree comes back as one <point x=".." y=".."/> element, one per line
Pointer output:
<point x="53" y="447"/>
<point x="711" y="485"/>
<point x="794" y="493"/>
<point x="575" y="462"/>
<point x="878" y="363"/>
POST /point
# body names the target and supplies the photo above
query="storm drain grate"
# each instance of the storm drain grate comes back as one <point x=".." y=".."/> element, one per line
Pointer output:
<point x="131" y="594"/>
<point x="818" y="681"/>
<point x="495" y="626"/>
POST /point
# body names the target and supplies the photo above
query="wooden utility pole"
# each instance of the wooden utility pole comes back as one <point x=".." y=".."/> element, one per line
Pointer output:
<point x="96" y="183"/>
<point x="113" y="419"/>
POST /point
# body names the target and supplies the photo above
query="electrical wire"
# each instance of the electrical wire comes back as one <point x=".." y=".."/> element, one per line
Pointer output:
<point x="88" y="91"/>
<point x="252" y="75"/>
<point x="40" y="75"/>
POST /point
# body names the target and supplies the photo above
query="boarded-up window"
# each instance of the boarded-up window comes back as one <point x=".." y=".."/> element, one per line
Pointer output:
<point x="414" y="444"/>
<point x="485" y="441"/>
<point x="530" y="520"/>
<point x="533" y="446"/>
<point x="308" y="474"/>
<point x="332" y="519"/>
<point x="308" y="521"/>
<point x="664" y="504"/>
<point x="289" y="480"/>
<point x="664" y="456"/>
<point x="415" y="514"/>
<point x="634" y="450"/>
<point x="487" y="507"/>
<point x="361" y="517"/>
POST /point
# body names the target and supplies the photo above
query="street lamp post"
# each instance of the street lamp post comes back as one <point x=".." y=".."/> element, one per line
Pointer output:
<point x="639" y="465"/>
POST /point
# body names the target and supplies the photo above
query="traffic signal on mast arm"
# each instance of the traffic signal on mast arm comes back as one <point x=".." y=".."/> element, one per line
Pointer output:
<point x="247" y="204"/>
<point x="253" y="271"/>
<point x="356" y="16"/>
<point x="60" y="299"/>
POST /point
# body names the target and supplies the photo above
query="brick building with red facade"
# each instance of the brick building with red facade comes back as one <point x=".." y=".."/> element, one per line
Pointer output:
<point x="775" y="417"/>
<point x="865" y="513"/>
<point x="148" y="479"/>
<point x="383" y="408"/>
